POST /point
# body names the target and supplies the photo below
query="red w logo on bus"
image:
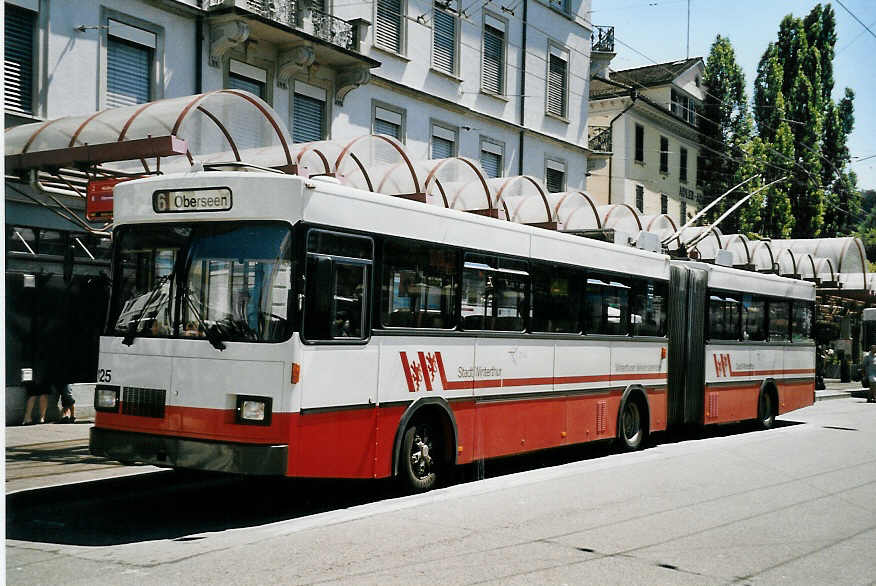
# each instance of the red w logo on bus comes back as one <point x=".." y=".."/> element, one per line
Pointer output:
<point x="422" y="370"/>
<point x="722" y="364"/>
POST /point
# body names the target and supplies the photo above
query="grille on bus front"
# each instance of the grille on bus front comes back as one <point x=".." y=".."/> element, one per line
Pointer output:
<point x="143" y="402"/>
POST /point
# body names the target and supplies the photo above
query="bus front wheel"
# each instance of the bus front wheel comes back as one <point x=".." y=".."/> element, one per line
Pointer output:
<point x="421" y="459"/>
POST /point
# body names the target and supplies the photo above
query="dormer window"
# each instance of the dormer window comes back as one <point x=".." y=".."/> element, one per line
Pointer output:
<point x="697" y="81"/>
<point x="684" y="107"/>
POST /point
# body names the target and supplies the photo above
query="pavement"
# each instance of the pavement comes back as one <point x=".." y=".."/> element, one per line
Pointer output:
<point x="40" y="456"/>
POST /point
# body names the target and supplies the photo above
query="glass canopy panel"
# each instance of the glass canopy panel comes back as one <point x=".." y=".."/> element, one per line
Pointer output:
<point x="787" y="262"/>
<point x="510" y="192"/>
<point x="824" y="269"/>
<point x="368" y="161"/>
<point x="317" y="158"/>
<point x="444" y="180"/>
<point x="573" y="210"/>
<point x="762" y="256"/>
<point x="806" y="266"/>
<point x="620" y="217"/>
<point x="663" y="226"/>
<point x="708" y="241"/>
<point x="738" y="246"/>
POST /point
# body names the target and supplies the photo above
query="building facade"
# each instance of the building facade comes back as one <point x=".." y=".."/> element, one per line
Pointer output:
<point x="643" y="127"/>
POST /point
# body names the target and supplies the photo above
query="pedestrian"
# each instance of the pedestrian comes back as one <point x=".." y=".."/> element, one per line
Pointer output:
<point x="67" y="405"/>
<point x="36" y="391"/>
<point x="869" y="368"/>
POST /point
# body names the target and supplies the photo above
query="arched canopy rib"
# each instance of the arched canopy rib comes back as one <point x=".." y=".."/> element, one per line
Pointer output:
<point x="522" y="199"/>
<point x="377" y="163"/>
<point x="574" y="210"/>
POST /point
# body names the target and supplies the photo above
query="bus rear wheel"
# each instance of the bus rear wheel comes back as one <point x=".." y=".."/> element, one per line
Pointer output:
<point x="632" y="431"/>
<point x="766" y="416"/>
<point x="420" y="458"/>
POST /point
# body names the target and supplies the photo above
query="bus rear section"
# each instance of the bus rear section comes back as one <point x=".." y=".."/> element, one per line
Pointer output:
<point x="747" y="352"/>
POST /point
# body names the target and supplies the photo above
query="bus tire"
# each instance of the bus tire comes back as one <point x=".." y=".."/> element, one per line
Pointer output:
<point x="420" y="458"/>
<point x="632" y="428"/>
<point x="766" y="413"/>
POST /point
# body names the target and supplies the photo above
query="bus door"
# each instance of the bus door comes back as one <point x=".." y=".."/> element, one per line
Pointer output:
<point x="687" y="292"/>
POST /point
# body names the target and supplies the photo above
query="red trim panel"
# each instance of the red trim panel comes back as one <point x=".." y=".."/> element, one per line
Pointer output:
<point x="201" y="423"/>
<point x="359" y="443"/>
<point x="727" y="403"/>
<point x="795" y="394"/>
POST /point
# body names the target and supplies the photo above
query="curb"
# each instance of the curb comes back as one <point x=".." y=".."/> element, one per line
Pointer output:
<point x="833" y="395"/>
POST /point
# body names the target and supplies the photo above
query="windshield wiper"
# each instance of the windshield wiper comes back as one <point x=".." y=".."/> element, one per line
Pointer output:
<point x="134" y="326"/>
<point x="211" y="332"/>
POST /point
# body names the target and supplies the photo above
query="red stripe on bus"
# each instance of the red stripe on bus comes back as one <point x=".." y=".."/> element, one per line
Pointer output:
<point x="448" y="385"/>
<point x="770" y="372"/>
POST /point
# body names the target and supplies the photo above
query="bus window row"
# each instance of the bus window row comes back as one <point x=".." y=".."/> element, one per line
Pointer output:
<point x="735" y="316"/>
<point x="430" y="286"/>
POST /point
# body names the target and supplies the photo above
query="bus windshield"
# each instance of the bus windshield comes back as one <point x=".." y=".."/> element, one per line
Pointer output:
<point x="213" y="280"/>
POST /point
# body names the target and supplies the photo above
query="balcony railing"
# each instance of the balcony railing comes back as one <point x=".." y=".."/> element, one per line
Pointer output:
<point x="301" y="15"/>
<point x="599" y="138"/>
<point x="602" y="39"/>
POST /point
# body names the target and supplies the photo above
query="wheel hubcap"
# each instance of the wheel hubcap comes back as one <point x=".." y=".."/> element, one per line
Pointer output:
<point x="421" y="449"/>
<point x="631" y="421"/>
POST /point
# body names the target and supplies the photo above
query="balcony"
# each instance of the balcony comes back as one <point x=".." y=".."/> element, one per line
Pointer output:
<point x="302" y="33"/>
<point x="599" y="139"/>
<point x="602" y="40"/>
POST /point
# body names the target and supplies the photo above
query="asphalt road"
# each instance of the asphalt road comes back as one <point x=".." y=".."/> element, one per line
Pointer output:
<point x="793" y="505"/>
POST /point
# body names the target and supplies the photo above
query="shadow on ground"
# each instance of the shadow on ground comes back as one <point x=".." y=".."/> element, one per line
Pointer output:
<point x="179" y="504"/>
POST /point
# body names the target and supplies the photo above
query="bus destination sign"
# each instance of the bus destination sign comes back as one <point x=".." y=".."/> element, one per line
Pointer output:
<point x="215" y="199"/>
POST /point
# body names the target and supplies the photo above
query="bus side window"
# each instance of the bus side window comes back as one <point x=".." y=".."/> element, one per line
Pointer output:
<point x="555" y="299"/>
<point x="494" y="293"/>
<point x="753" y="319"/>
<point x="419" y="285"/>
<point x="723" y="317"/>
<point x="336" y="286"/>
<point x="779" y="321"/>
<point x="648" y="308"/>
<point x="801" y="326"/>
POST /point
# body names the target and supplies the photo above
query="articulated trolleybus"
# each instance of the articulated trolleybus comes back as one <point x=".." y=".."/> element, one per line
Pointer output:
<point x="265" y="323"/>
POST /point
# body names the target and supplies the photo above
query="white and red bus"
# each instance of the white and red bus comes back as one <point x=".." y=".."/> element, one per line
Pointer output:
<point x="268" y="324"/>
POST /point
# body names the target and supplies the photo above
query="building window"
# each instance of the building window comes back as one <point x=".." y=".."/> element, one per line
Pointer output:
<point x="560" y="5"/>
<point x="683" y="213"/>
<point x="557" y="82"/>
<point x="664" y="203"/>
<point x="389" y="27"/>
<point x="682" y="164"/>
<point x="640" y="198"/>
<point x="699" y="176"/>
<point x="308" y="113"/>
<point x="443" y="141"/>
<point x="388" y="120"/>
<point x="683" y="106"/>
<point x="246" y="77"/>
<point x="444" y="37"/>
<point x="555" y="175"/>
<point x="130" y="56"/>
<point x="664" y="154"/>
<point x="492" y="155"/>
<point x="493" y="67"/>
<point x="640" y="143"/>
<point x="18" y="58"/>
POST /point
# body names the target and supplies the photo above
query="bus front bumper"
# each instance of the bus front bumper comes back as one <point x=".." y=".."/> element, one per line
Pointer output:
<point x="177" y="452"/>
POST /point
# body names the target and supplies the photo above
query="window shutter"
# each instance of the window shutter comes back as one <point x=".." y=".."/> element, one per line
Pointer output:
<point x="18" y="59"/>
<point x="441" y="148"/>
<point x="248" y="85"/>
<point x="128" y="76"/>
<point x="491" y="164"/>
<point x="554" y="180"/>
<point x="387" y="128"/>
<point x="557" y="86"/>
<point x="493" y="79"/>
<point x="443" y="41"/>
<point x="388" y="30"/>
<point x="308" y="119"/>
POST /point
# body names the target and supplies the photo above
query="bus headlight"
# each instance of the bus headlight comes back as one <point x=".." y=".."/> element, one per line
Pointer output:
<point x="254" y="410"/>
<point x="106" y="398"/>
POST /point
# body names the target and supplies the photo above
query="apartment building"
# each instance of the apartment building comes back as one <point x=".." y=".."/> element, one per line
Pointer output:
<point x="643" y="129"/>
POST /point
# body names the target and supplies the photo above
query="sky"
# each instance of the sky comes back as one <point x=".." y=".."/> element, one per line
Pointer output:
<point x="657" y="29"/>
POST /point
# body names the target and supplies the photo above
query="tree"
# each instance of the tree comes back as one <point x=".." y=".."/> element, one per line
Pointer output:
<point x="842" y="198"/>
<point x="726" y="126"/>
<point x="777" y="218"/>
<point x="767" y="88"/>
